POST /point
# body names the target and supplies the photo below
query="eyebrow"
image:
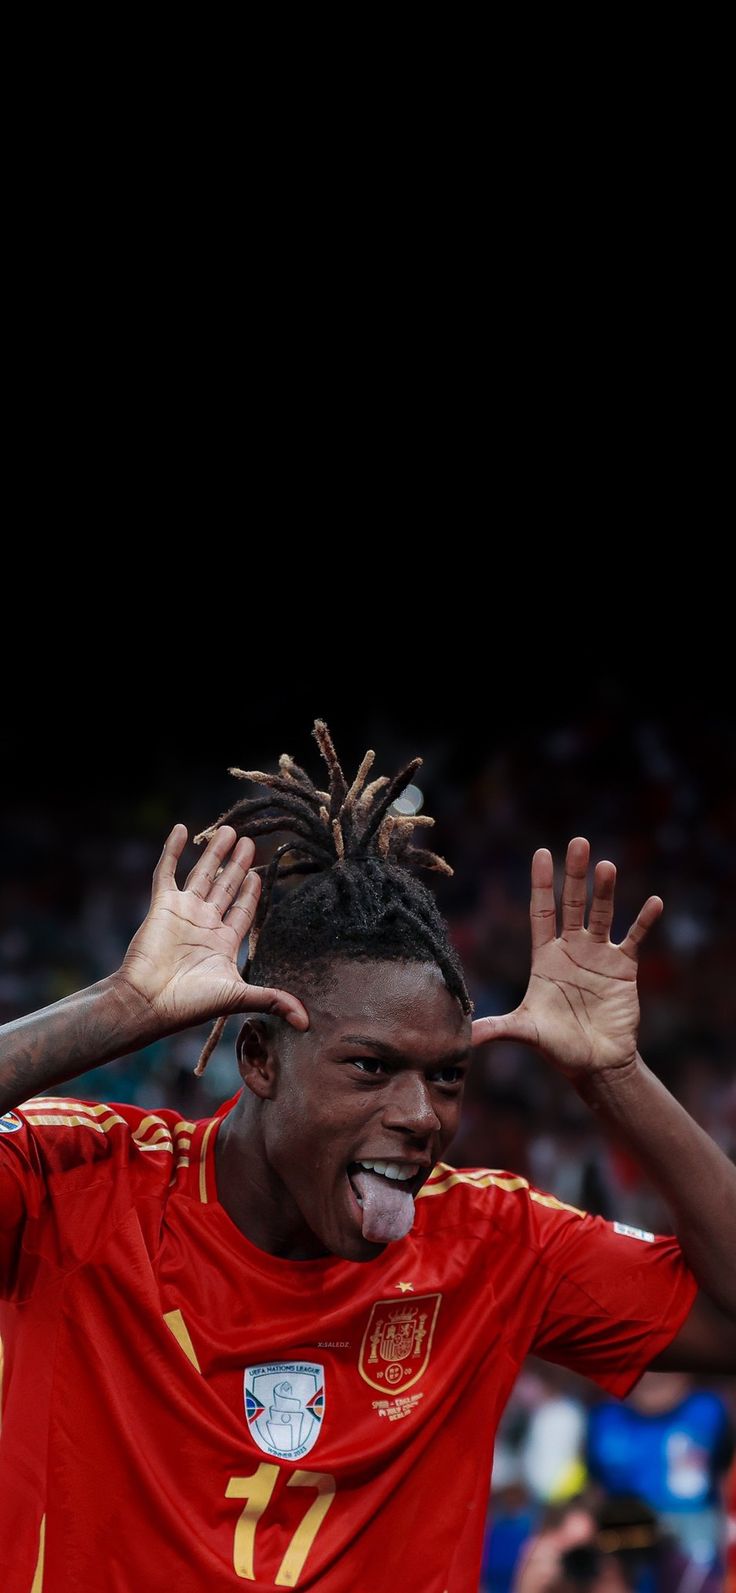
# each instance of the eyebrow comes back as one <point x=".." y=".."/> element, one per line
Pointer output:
<point x="394" y="1054"/>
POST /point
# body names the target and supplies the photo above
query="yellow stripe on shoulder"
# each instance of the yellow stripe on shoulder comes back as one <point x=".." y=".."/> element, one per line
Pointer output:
<point x="146" y="1122"/>
<point x="76" y="1120"/>
<point x="559" y="1205"/>
<point x="160" y="1139"/>
<point x="64" y="1103"/>
<point x="476" y="1180"/>
<point x="62" y="1111"/>
<point x="444" y="1177"/>
<point x="181" y="1161"/>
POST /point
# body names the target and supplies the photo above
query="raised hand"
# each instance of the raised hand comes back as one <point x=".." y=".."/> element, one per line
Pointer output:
<point x="183" y="961"/>
<point x="581" y="1008"/>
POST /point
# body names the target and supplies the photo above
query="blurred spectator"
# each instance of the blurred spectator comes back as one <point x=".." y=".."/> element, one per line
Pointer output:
<point x="614" y="1545"/>
<point x="553" y="1449"/>
<point x="671" y="1444"/>
<point x="539" y="1459"/>
<point x="541" y="1563"/>
<point x="513" y="1521"/>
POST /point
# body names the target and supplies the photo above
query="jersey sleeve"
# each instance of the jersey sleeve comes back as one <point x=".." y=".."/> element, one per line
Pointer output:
<point x="614" y="1297"/>
<point x="21" y="1192"/>
<point x="70" y="1170"/>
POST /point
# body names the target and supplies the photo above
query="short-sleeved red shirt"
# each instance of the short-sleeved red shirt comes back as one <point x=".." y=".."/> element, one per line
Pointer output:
<point x="183" y="1411"/>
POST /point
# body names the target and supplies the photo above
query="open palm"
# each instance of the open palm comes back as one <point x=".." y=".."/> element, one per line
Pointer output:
<point x="183" y="961"/>
<point x="581" y="1007"/>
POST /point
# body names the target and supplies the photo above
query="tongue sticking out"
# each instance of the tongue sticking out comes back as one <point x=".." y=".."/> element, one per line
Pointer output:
<point x="388" y="1208"/>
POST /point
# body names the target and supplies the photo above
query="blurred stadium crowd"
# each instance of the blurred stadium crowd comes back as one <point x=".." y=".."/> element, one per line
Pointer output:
<point x="657" y="796"/>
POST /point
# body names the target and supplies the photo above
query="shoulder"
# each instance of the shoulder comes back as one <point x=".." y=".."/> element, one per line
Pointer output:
<point x="53" y="1135"/>
<point x="72" y="1173"/>
<point x="497" y="1196"/>
<point x="564" y="1239"/>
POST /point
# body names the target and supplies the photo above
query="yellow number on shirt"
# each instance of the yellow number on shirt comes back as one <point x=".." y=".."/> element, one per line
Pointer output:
<point x="257" y="1490"/>
<point x="301" y="1543"/>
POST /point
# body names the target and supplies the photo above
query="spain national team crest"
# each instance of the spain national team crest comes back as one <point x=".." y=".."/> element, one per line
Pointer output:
<point x="397" y="1342"/>
<point x="284" y="1406"/>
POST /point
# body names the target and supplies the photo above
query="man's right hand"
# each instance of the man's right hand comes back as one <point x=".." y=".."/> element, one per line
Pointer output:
<point x="183" y="961"/>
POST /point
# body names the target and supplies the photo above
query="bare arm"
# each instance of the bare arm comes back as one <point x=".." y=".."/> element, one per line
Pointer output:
<point x="81" y="1032"/>
<point x="690" y="1171"/>
<point x="699" y="1185"/>
<point x="179" y="970"/>
<point x="581" y="1011"/>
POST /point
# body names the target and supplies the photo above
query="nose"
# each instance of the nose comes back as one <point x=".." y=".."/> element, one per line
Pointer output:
<point x="409" y="1105"/>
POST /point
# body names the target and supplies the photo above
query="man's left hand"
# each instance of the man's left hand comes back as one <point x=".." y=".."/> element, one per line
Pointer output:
<point x="581" y="1008"/>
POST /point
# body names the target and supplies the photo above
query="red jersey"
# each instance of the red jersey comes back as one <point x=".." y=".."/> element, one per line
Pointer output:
<point x="184" y="1413"/>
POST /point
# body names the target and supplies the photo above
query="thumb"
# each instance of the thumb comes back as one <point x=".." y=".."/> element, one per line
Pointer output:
<point x="278" y="1002"/>
<point x="510" y="1026"/>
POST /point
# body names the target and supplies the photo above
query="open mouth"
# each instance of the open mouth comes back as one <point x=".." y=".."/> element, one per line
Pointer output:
<point x="403" y="1177"/>
<point x="384" y="1197"/>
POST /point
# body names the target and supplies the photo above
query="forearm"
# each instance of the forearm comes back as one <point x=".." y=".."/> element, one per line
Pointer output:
<point x="59" y="1042"/>
<point x="692" y="1174"/>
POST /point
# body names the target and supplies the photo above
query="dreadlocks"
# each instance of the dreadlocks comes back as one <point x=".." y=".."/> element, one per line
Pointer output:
<point x="361" y="902"/>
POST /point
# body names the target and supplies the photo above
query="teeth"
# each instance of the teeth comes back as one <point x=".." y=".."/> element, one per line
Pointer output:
<point x="400" y="1170"/>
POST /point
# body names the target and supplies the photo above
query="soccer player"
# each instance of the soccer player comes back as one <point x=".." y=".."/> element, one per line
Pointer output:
<point x="270" y="1348"/>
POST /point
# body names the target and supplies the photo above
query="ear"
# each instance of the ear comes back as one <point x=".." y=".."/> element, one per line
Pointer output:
<point x="256" y="1054"/>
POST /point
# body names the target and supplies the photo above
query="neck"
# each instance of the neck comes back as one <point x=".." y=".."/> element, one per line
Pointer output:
<point x="251" y="1192"/>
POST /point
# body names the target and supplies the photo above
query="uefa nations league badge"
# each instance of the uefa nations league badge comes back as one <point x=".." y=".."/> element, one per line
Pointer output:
<point x="284" y="1406"/>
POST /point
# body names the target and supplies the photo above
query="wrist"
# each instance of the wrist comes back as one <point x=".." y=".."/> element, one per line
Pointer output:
<point x="136" y="1023"/>
<point x="81" y="1031"/>
<point x="601" y="1086"/>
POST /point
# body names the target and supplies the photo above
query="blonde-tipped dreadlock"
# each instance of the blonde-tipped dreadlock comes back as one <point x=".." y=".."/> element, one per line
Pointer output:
<point x="364" y="902"/>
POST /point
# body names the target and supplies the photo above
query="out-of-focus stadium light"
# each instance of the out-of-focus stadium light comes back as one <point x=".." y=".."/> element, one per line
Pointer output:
<point x="409" y="802"/>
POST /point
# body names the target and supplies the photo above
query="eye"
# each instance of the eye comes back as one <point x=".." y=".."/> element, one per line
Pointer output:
<point x="368" y="1064"/>
<point x="449" y="1075"/>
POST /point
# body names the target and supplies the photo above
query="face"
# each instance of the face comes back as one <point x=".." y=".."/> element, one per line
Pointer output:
<point x="377" y="1077"/>
<point x="660" y="1391"/>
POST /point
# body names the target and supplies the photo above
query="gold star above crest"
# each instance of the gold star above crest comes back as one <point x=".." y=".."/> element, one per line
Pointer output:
<point x="404" y="1286"/>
